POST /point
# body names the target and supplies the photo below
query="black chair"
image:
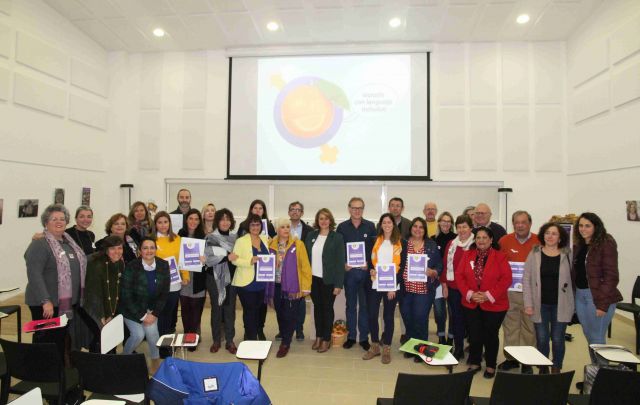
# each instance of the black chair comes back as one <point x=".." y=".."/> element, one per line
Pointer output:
<point x="528" y="389"/>
<point x="634" y="308"/>
<point x="437" y="389"/>
<point x="14" y="309"/>
<point x="611" y="386"/>
<point x="107" y="375"/>
<point x="37" y="365"/>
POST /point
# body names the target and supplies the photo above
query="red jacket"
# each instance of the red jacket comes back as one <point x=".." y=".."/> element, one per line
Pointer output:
<point x="457" y="255"/>
<point x="496" y="280"/>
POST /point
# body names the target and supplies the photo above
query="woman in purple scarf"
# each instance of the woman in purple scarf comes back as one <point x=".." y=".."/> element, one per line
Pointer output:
<point x="293" y="281"/>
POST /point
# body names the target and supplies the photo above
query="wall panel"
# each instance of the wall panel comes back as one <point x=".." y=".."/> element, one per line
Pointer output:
<point x="626" y="85"/>
<point x="193" y="129"/>
<point x="515" y="139"/>
<point x="484" y="139"/>
<point x="88" y="112"/>
<point x="451" y="142"/>
<point x="548" y="139"/>
<point x="90" y="78"/>
<point x="626" y="40"/>
<point x="41" y="96"/>
<point x="149" y="137"/>
<point x="515" y="73"/>
<point x="35" y="53"/>
<point x="483" y="73"/>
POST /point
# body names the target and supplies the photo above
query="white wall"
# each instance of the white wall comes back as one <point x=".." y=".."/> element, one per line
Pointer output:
<point x="54" y="102"/>
<point x="506" y="101"/>
<point x="604" y="126"/>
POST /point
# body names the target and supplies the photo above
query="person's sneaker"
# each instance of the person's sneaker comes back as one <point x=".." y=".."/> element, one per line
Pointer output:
<point x="278" y="336"/>
<point x="386" y="354"/>
<point x="365" y="345"/>
<point x="373" y="351"/>
<point x="349" y="343"/>
<point x="299" y="335"/>
<point x="526" y="369"/>
<point x="508" y="365"/>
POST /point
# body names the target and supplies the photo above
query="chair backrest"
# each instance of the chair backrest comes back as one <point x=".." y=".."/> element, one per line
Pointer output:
<point x="531" y="389"/>
<point x="112" y="334"/>
<point x="612" y="386"/>
<point x="36" y="362"/>
<point x="418" y="389"/>
<point x="111" y="374"/>
<point x="33" y="397"/>
<point x="635" y="293"/>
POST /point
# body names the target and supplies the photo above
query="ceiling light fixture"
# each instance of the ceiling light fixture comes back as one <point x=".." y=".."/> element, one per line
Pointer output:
<point x="395" y="22"/>
<point x="273" y="26"/>
<point x="158" y="32"/>
<point x="523" y="19"/>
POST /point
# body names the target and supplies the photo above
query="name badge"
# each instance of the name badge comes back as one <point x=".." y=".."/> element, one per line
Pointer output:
<point x="210" y="384"/>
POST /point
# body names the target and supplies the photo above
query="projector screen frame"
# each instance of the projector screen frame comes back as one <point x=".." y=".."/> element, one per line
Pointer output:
<point x="332" y="177"/>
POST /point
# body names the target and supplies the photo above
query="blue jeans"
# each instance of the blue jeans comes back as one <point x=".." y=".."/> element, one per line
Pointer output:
<point x="414" y="309"/>
<point x="137" y="332"/>
<point x="355" y="285"/>
<point x="550" y="328"/>
<point x="594" y="327"/>
<point x="456" y="317"/>
<point x="440" y="313"/>
<point x="389" y="308"/>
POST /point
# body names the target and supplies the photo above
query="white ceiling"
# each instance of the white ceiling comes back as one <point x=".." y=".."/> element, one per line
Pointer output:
<point x="210" y="24"/>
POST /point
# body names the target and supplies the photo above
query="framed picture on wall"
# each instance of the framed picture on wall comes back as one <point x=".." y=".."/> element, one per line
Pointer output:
<point x="632" y="210"/>
<point x="28" y="208"/>
<point x="58" y="196"/>
<point x="86" y="196"/>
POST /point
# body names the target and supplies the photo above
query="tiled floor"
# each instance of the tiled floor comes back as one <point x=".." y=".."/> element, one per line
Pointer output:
<point x="340" y="376"/>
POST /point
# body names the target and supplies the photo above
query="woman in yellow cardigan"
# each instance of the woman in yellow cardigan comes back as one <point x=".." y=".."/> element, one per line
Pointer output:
<point x="169" y="246"/>
<point x="251" y="292"/>
<point x="387" y="249"/>
<point x="293" y="281"/>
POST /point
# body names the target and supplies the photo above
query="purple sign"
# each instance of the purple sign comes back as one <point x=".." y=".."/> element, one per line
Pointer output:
<point x="517" y="274"/>
<point x="386" y="277"/>
<point x="417" y="268"/>
<point x="266" y="268"/>
<point x="191" y="255"/>
<point x="174" y="274"/>
<point x="356" y="256"/>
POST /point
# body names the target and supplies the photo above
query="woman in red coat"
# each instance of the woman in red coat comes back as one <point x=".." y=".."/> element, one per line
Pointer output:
<point x="483" y="277"/>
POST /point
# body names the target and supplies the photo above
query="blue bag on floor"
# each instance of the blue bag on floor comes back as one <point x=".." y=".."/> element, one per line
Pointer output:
<point x="192" y="383"/>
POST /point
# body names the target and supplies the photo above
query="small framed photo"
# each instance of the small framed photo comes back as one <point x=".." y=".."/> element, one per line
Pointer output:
<point x="28" y="208"/>
<point x="632" y="210"/>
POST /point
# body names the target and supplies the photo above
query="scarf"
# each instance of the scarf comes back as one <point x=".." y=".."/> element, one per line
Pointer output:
<point x="64" y="272"/>
<point x="221" y="274"/>
<point x="481" y="260"/>
<point x="142" y="227"/>
<point x="452" y="251"/>
<point x="289" y="281"/>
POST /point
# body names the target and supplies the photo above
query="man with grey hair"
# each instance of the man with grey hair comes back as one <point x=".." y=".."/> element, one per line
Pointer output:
<point x="184" y="202"/>
<point x="482" y="217"/>
<point x="517" y="326"/>
<point x="430" y="211"/>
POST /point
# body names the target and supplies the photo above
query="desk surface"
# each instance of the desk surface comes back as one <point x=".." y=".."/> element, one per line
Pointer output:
<point x="177" y="340"/>
<point x="253" y="349"/>
<point x="528" y="355"/>
<point x="618" y="354"/>
<point x="449" y="360"/>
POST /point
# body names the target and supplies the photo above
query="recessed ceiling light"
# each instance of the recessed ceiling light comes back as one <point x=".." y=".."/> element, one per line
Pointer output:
<point x="273" y="26"/>
<point x="523" y="19"/>
<point x="395" y="22"/>
<point x="158" y="32"/>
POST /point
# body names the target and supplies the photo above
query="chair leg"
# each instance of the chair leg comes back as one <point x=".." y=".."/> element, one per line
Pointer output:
<point x="609" y="329"/>
<point x="637" y="322"/>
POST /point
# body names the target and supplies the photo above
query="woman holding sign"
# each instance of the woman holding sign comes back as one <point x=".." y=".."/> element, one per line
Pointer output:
<point x="251" y="291"/>
<point x="483" y="278"/>
<point x="387" y="258"/>
<point x="144" y="290"/>
<point x="192" y="294"/>
<point x="168" y="244"/>
<point x="325" y="248"/>
<point x="418" y="282"/>
<point x="292" y="281"/>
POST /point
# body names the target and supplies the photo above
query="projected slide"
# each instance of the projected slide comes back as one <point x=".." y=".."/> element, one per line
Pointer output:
<point x="334" y="115"/>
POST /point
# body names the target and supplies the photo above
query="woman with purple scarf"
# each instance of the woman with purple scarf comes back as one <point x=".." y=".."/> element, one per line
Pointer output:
<point x="56" y="268"/>
<point x="293" y="281"/>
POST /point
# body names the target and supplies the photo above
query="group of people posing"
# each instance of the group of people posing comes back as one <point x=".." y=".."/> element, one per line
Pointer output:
<point x="477" y="275"/>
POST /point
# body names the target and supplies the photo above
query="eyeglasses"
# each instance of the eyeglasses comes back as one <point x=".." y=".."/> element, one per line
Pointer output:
<point x="295" y="209"/>
<point x="356" y="208"/>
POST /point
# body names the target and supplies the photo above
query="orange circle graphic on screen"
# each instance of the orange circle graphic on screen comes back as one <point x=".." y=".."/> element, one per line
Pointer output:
<point x="306" y="112"/>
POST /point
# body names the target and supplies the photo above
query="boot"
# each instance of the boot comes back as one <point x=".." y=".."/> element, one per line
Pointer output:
<point x="373" y="351"/>
<point x="324" y="346"/>
<point x="442" y="340"/>
<point x="155" y="365"/>
<point x="316" y="344"/>
<point x="386" y="354"/>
